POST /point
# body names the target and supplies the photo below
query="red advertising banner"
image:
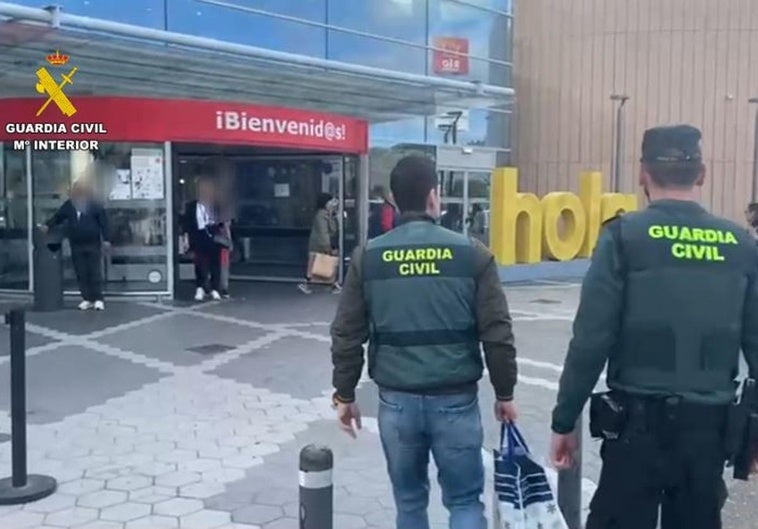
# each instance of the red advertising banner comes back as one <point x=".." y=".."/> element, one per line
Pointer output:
<point x="451" y="56"/>
<point x="151" y="120"/>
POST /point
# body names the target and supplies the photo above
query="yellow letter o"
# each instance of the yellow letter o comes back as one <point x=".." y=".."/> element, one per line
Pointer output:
<point x="564" y="225"/>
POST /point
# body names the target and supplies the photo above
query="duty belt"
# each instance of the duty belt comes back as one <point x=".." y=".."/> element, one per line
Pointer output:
<point x="672" y="414"/>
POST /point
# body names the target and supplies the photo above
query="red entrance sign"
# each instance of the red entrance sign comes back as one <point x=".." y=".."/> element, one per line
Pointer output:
<point x="181" y="120"/>
<point x="451" y="56"/>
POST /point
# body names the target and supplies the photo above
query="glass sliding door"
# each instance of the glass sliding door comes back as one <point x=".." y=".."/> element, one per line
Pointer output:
<point x="130" y="180"/>
<point x="14" y="219"/>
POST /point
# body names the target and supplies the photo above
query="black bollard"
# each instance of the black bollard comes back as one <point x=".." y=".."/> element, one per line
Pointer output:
<point x="21" y="487"/>
<point x="316" y="489"/>
<point x="570" y="485"/>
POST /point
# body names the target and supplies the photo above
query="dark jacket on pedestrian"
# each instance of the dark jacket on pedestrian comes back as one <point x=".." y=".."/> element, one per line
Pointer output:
<point x="425" y="298"/>
<point x="88" y="227"/>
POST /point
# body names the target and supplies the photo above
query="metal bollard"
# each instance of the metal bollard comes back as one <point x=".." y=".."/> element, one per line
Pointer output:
<point x="316" y="489"/>
<point x="21" y="487"/>
<point x="570" y="485"/>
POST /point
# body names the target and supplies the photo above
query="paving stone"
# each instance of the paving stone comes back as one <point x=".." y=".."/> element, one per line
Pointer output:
<point x="204" y="520"/>
<point x="71" y="517"/>
<point x="198" y="465"/>
<point x="152" y="494"/>
<point x="257" y="514"/>
<point x="54" y="503"/>
<point x="357" y="506"/>
<point x="177" y="507"/>
<point x="102" y="498"/>
<point x="21" y="520"/>
<point x="101" y="524"/>
<point x="154" y="522"/>
<point x="243" y="526"/>
<point x="177" y="456"/>
<point x="276" y="496"/>
<point x="177" y="479"/>
<point x="129" y="483"/>
<point x="241" y="461"/>
<point x="224" y="475"/>
<point x="81" y="486"/>
<point x="259" y="450"/>
<point x="201" y="490"/>
<point x="125" y="512"/>
<point x="349" y="521"/>
<point x="155" y="469"/>
<point x="283" y="523"/>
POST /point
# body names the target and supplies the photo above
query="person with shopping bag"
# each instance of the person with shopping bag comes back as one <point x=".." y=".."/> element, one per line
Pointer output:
<point x="426" y="299"/>
<point x="669" y="300"/>
<point x="523" y="496"/>
<point x="322" y="258"/>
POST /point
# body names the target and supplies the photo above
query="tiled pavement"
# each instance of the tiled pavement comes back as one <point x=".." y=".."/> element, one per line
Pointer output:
<point x="177" y="416"/>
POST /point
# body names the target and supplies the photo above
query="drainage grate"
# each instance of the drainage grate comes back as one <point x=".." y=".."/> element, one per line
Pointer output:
<point x="210" y="349"/>
<point x="546" y="301"/>
<point x="4" y="437"/>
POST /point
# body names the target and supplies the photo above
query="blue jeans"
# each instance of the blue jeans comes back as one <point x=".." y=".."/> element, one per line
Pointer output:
<point x="448" y="426"/>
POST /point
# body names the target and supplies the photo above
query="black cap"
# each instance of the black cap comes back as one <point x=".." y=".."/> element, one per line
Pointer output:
<point x="672" y="144"/>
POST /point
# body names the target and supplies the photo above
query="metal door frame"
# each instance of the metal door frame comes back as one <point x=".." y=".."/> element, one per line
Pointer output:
<point x="466" y="160"/>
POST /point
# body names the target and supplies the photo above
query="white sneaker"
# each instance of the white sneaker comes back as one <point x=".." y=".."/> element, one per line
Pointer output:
<point x="304" y="288"/>
<point x="85" y="305"/>
<point x="99" y="305"/>
<point x="215" y="295"/>
<point x="199" y="294"/>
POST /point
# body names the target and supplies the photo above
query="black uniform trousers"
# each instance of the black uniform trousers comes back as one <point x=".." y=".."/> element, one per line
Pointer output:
<point x="669" y="458"/>
<point x="88" y="267"/>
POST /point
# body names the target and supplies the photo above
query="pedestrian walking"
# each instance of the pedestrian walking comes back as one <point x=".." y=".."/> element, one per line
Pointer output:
<point x="322" y="244"/>
<point x="385" y="216"/>
<point x="425" y="299"/>
<point x="669" y="300"/>
<point x="86" y="225"/>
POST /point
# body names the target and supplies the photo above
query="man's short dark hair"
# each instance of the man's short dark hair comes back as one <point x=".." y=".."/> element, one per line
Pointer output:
<point x="411" y="181"/>
<point x="675" y="174"/>
<point x="322" y="200"/>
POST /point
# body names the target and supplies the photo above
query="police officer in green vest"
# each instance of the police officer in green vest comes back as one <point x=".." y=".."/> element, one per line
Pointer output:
<point x="670" y="299"/>
<point x="426" y="299"/>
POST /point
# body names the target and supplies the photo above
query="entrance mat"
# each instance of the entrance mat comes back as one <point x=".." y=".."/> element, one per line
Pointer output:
<point x="210" y="349"/>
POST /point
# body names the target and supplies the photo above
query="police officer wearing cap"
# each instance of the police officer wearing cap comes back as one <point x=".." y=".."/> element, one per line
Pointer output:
<point x="426" y="299"/>
<point x="670" y="299"/>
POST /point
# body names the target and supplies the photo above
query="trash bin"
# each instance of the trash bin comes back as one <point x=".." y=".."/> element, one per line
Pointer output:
<point x="48" y="270"/>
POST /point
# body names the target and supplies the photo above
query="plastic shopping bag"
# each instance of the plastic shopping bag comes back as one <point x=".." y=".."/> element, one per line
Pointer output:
<point x="523" y="497"/>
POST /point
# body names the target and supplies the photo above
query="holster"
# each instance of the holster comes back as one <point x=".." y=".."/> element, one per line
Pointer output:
<point x="608" y="415"/>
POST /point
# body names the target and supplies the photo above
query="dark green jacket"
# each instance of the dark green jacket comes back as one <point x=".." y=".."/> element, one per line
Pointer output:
<point x="669" y="300"/>
<point x="424" y="327"/>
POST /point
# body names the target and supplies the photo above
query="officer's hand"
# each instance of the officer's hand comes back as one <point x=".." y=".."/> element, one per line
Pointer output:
<point x="505" y="411"/>
<point x="562" y="450"/>
<point x="349" y="417"/>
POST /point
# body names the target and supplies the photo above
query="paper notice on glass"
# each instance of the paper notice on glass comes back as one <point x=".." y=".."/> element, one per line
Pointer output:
<point x="147" y="174"/>
<point x="122" y="185"/>
<point x="281" y="190"/>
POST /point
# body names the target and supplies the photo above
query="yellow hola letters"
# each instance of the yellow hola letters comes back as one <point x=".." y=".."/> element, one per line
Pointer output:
<point x="561" y="226"/>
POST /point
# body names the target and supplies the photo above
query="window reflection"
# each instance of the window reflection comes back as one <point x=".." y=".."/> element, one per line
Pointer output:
<point x="146" y="13"/>
<point x="237" y="25"/>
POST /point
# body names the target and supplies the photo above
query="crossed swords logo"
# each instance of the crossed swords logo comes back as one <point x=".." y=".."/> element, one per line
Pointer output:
<point x="47" y="85"/>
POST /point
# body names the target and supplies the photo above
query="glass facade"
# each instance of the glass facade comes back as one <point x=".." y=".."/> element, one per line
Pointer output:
<point x="467" y="40"/>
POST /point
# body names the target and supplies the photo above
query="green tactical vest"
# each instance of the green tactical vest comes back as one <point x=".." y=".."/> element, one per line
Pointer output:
<point x="686" y="275"/>
<point x="419" y="284"/>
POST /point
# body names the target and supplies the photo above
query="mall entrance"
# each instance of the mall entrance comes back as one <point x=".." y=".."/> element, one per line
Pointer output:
<point x="270" y="196"/>
<point x="465" y="175"/>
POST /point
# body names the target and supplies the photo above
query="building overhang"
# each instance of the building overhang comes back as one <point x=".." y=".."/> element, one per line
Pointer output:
<point x="116" y="59"/>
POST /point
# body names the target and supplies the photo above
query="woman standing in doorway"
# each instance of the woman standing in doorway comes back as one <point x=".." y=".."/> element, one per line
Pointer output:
<point x="322" y="238"/>
<point x="202" y="227"/>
